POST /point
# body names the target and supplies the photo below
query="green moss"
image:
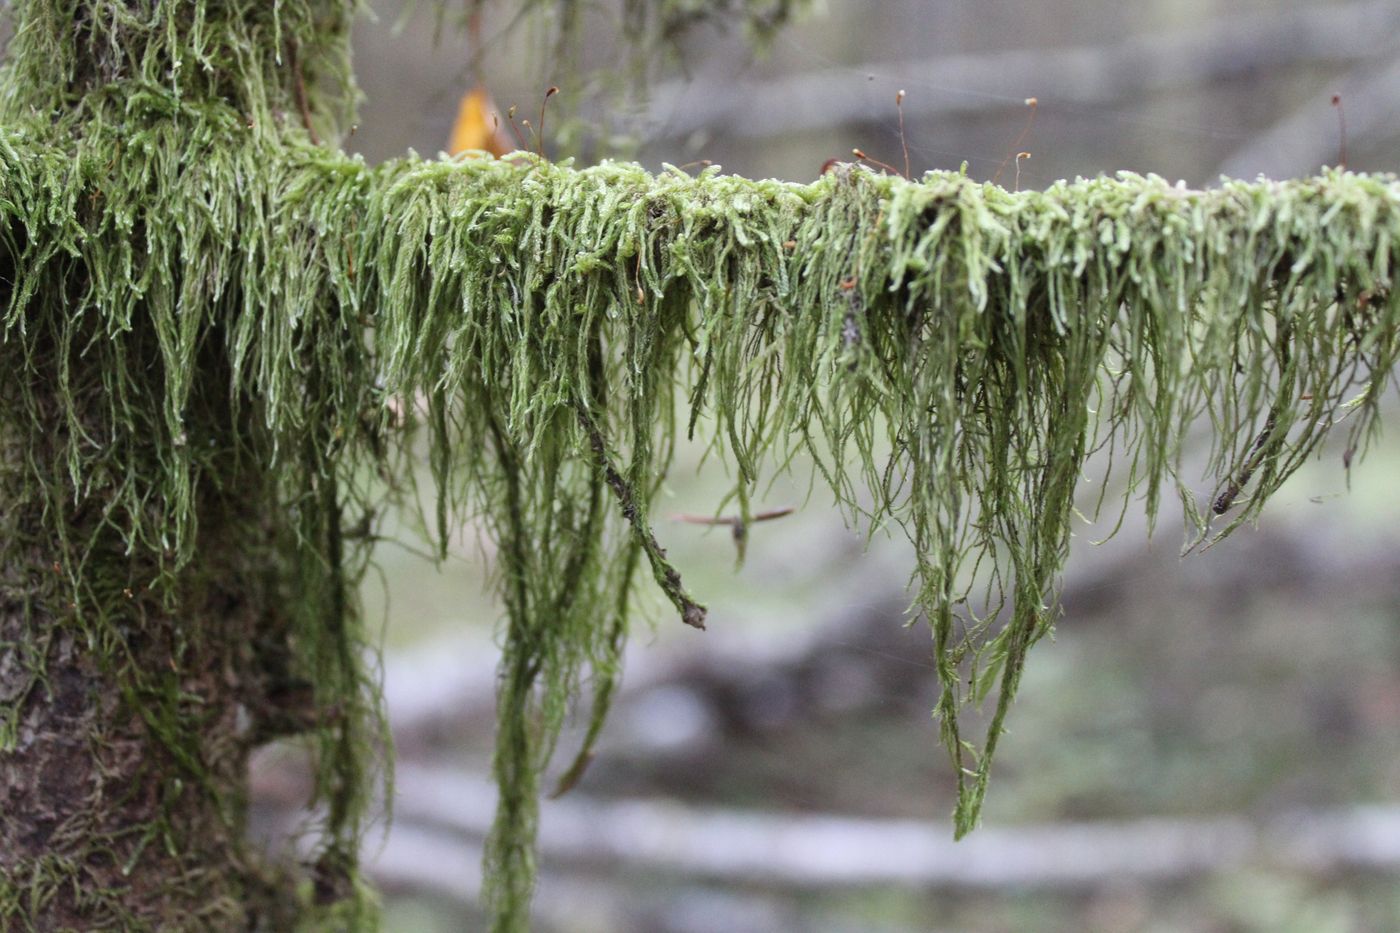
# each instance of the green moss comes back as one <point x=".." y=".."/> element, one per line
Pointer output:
<point x="990" y="340"/>
<point x="947" y="352"/>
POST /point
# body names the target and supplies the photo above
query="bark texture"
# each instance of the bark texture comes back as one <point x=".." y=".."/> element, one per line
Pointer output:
<point x="171" y="593"/>
<point x="122" y="780"/>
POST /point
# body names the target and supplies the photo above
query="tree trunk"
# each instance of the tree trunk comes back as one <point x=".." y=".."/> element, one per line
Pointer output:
<point x="102" y="825"/>
<point x="172" y="594"/>
<point x="127" y="725"/>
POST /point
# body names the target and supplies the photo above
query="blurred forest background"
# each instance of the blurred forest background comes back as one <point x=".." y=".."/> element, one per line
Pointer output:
<point x="1209" y="743"/>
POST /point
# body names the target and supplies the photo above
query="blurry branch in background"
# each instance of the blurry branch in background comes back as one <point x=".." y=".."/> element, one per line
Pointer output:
<point x="976" y="83"/>
<point x="1308" y="138"/>
<point x="425" y="861"/>
<point x="432" y="688"/>
<point x="823" y="851"/>
<point x="442" y="814"/>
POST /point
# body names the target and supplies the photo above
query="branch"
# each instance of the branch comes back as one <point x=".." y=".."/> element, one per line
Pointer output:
<point x="1084" y="75"/>
<point x="820" y="851"/>
<point x="738" y="526"/>
<point x="692" y="613"/>
<point x="1002" y="337"/>
<point x="1309" y="137"/>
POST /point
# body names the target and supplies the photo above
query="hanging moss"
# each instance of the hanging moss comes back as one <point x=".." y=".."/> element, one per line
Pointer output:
<point x="946" y="352"/>
<point x="953" y="350"/>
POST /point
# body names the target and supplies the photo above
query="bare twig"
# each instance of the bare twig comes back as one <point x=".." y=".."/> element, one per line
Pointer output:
<point x="734" y="520"/>
<point x="739" y="527"/>
<point x="1226" y="499"/>
<point x="692" y="613"/>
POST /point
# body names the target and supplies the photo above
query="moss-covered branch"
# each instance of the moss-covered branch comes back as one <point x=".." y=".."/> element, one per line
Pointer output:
<point x="956" y="349"/>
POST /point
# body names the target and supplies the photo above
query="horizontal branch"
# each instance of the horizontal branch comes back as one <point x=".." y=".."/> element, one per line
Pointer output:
<point x="946" y="353"/>
<point x="975" y="83"/>
<point x="821" y="851"/>
<point x="952" y="347"/>
<point x="1313" y="136"/>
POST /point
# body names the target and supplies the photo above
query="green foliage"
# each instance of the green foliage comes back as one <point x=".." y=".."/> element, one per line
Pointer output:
<point x="947" y="352"/>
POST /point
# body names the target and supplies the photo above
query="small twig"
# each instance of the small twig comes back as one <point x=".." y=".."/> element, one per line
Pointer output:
<point x="692" y="613"/>
<point x="734" y="519"/>
<point x="299" y="83"/>
<point x="1226" y="499"/>
<point x="739" y="528"/>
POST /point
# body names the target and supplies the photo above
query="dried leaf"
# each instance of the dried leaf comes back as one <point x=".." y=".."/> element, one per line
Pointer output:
<point x="479" y="127"/>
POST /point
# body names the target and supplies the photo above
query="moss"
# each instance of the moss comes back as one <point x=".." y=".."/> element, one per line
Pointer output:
<point x="953" y="348"/>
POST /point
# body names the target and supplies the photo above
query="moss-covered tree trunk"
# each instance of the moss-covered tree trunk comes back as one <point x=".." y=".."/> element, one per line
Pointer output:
<point x="172" y="594"/>
<point x="135" y="684"/>
<point x="105" y="821"/>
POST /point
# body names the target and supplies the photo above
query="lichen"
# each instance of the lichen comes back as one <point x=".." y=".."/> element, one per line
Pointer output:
<point x="946" y="352"/>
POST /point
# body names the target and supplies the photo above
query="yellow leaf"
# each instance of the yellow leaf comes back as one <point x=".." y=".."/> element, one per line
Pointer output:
<point x="479" y="126"/>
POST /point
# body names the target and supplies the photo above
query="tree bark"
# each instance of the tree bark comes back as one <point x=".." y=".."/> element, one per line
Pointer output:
<point x="125" y="730"/>
<point x="162" y="607"/>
